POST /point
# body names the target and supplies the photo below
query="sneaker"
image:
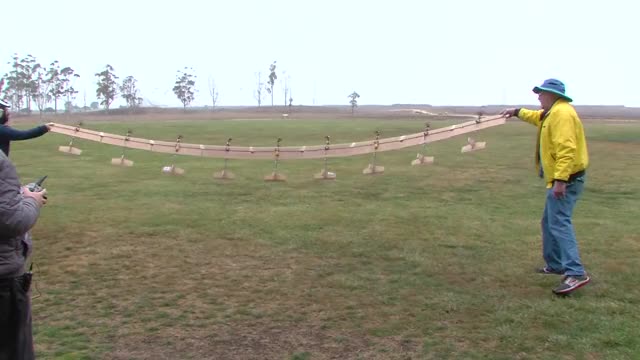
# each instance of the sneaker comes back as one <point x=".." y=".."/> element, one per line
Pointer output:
<point x="570" y="283"/>
<point x="548" y="270"/>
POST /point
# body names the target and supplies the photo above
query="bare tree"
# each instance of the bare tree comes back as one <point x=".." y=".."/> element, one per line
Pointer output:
<point x="213" y="91"/>
<point x="257" y="94"/>
<point x="285" y="86"/>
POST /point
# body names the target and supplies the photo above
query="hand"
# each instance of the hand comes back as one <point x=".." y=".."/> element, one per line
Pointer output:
<point x="559" y="189"/>
<point x="49" y="126"/>
<point x="40" y="196"/>
<point x="508" y="112"/>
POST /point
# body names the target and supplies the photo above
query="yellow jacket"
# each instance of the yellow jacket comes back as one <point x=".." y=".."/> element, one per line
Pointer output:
<point x="561" y="144"/>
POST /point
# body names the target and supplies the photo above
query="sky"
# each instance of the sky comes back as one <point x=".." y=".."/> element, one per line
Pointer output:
<point x="446" y="52"/>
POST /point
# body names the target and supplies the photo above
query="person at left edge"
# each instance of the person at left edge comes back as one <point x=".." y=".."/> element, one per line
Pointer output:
<point x="9" y="134"/>
<point x="19" y="212"/>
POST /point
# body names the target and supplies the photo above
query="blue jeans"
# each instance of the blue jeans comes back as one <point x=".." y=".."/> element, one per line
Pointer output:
<point x="559" y="245"/>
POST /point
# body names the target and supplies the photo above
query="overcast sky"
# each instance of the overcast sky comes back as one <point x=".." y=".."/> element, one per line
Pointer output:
<point x="445" y="52"/>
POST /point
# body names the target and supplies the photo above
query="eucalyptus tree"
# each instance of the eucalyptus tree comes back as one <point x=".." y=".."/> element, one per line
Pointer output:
<point x="184" y="87"/>
<point x="60" y="84"/>
<point x="107" y="86"/>
<point x="40" y="88"/>
<point x="27" y="74"/>
<point x="17" y="86"/>
<point x="272" y="80"/>
<point x="354" y="101"/>
<point x="67" y="79"/>
<point x="54" y="80"/>
<point x="129" y="92"/>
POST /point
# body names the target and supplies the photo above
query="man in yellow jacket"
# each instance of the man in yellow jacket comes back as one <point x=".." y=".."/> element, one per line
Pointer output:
<point x="561" y="160"/>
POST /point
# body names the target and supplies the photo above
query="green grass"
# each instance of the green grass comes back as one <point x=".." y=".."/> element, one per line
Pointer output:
<point x="429" y="262"/>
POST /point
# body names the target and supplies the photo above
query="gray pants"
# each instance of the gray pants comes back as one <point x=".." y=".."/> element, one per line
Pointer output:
<point x="16" y="337"/>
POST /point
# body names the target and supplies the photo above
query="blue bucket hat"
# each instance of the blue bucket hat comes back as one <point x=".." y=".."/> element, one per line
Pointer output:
<point x="553" y="86"/>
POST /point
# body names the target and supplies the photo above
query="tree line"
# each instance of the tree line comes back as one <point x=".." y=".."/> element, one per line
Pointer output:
<point x="30" y="82"/>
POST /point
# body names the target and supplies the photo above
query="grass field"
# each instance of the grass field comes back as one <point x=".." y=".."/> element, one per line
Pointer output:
<point x="431" y="262"/>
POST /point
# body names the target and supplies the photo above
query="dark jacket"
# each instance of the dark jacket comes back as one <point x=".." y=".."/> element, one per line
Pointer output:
<point x="18" y="214"/>
<point x="9" y="134"/>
